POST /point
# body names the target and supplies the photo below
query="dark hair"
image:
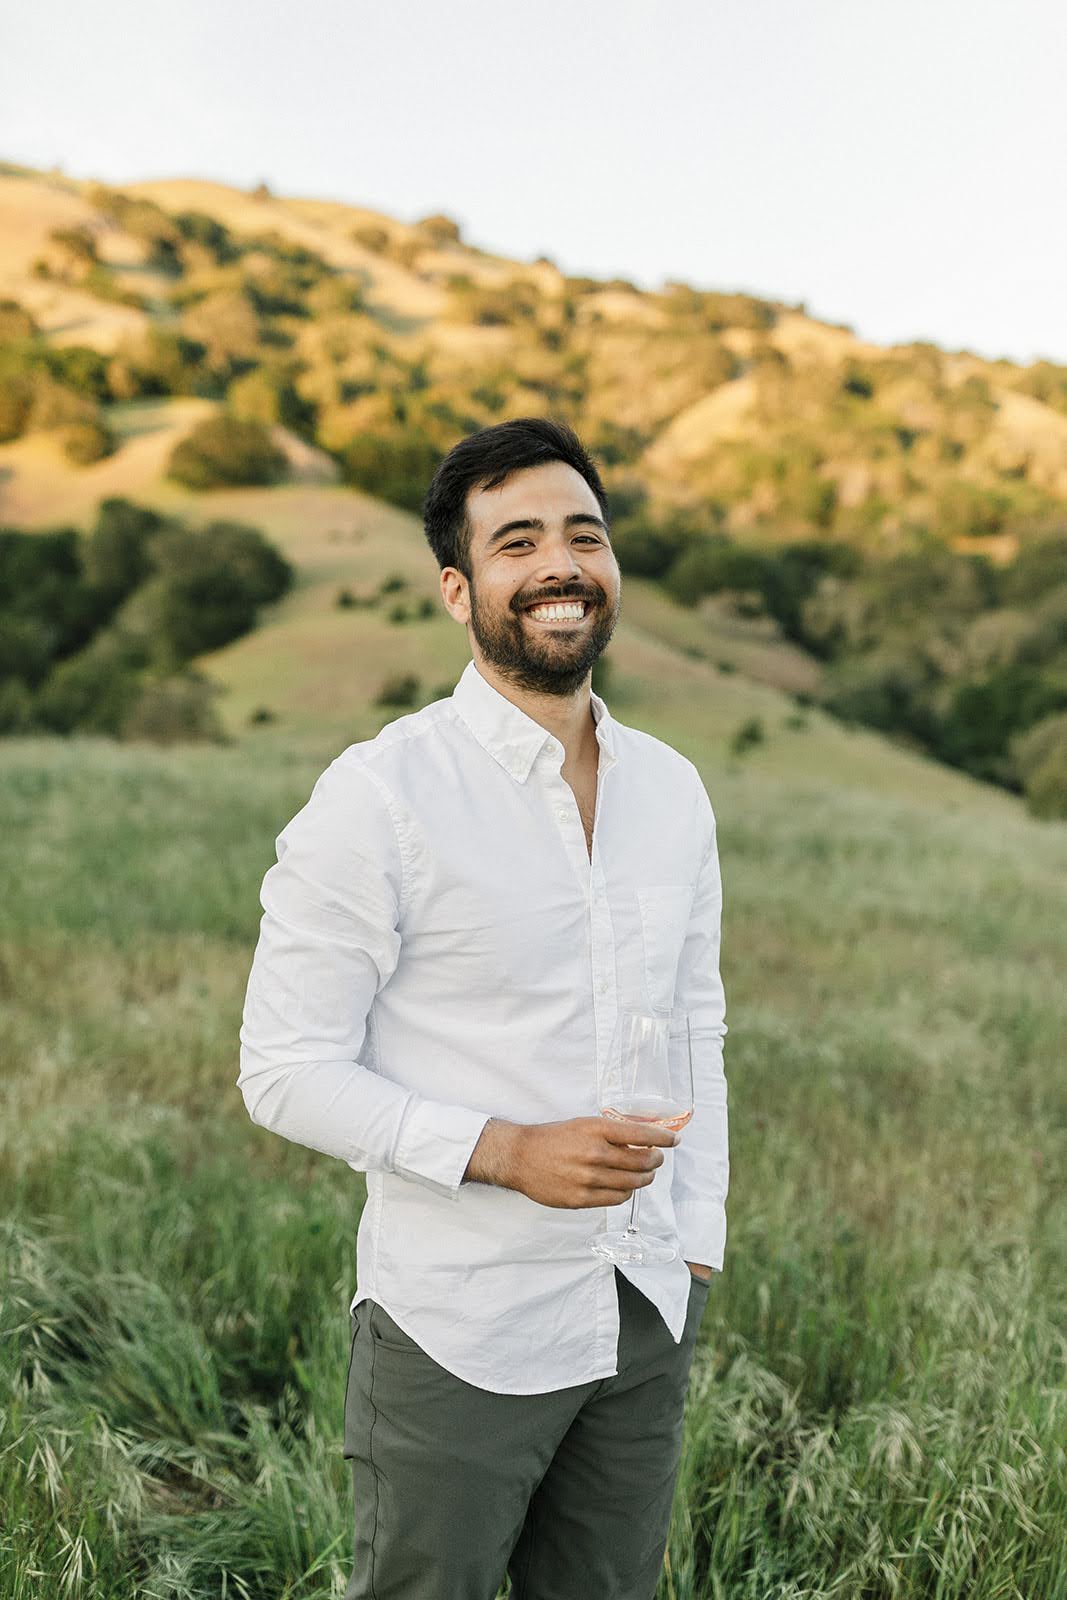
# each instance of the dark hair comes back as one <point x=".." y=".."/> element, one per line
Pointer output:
<point x="485" y="459"/>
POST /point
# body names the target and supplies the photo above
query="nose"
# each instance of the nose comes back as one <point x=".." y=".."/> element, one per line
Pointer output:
<point x="558" y="563"/>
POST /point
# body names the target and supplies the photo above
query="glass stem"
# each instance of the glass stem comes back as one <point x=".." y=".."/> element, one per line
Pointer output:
<point x="635" y="1204"/>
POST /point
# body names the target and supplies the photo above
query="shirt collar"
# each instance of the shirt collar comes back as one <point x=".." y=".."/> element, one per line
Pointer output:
<point x="514" y="738"/>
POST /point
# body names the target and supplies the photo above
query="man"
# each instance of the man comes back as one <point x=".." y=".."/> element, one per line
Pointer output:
<point x="453" y="922"/>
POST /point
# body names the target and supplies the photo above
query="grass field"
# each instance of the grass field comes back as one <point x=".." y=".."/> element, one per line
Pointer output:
<point x="877" y="1404"/>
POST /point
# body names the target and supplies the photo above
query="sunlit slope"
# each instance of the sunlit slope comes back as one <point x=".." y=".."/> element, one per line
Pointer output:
<point x="30" y="209"/>
<point x="39" y="488"/>
<point x="318" y="667"/>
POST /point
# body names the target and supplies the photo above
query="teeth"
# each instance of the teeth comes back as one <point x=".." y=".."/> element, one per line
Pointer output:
<point x="570" y="611"/>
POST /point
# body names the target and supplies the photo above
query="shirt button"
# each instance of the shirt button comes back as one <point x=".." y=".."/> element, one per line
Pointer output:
<point x="603" y="986"/>
<point x="561" y="813"/>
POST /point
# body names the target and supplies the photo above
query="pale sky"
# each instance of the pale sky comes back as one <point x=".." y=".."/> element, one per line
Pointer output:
<point x="896" y="164"/>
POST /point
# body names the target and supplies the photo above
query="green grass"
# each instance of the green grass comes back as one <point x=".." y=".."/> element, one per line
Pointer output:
<point x="877" y="1403"/>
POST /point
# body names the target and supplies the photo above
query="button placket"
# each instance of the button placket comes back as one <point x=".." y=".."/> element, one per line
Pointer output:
<point x="601" y="938"/>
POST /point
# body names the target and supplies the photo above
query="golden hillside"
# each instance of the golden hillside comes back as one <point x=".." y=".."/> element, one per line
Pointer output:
<point x="780" y="425"/>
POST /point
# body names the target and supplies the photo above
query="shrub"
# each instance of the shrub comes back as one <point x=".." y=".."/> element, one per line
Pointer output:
<point x="16" y="398"/>
<point x="226" y="325"/>
<point x="438" y="230"/>
<point x="42" y="577"/>
<point x="199" y="228"/>
<point x="15" y="322"/>
<point x="16" y="707"/>
<point x="206" y="591"/>
<point x="103" y="283"/>
<point x="264" y="572"/>
<point x="54" y="405"/>
<point x="616" y="445"/>
<point x="93" y="691"/>
<point x="161" y="362"/>
<point x="398" y="468"/>
<point x="747" y="736"/>
<point x="1040" y="565"/>
<point x="184" y="615"/>
<point x="171" y="709"/>
<point x="268" y="397"/>
<point x="398" y="613"/>
<point x="887" y="688"/>
<point x="857" y="381"/>
<point x="1040" y="758"/>
<point x="117" y="555"/>
<point x="77" y="244"/>
<point x="79" y="367"/>
<point x="1046" y="789"/>
<point x="86" y="442"/>
<point x="713" y="564"/>
<point x="984" y="714"/>
<point x="27" y="644"/>
<point x="223" y="451"/>
<point x="647" y="547"/>
<point x="399" y="690"/>
<point x="371" y="237"/>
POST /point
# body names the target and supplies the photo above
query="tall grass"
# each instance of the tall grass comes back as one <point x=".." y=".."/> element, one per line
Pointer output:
<point x="878" y="1405"/>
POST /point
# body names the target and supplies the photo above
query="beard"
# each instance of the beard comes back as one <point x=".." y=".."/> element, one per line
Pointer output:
<point x="548" y="661"/>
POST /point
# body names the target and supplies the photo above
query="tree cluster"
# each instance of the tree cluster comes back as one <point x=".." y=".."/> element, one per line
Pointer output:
<point x="98" y="631"/>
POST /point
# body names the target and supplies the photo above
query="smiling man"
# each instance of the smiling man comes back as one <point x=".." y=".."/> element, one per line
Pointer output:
<point x="453" y="922"/>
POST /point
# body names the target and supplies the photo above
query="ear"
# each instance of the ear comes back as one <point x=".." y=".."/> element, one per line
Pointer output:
<point x="455" y="592"/>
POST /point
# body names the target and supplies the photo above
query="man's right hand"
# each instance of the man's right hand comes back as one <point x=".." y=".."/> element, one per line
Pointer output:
<point x="585" y="1161"/>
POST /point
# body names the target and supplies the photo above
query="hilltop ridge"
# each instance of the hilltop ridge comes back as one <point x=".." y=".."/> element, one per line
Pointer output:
<point x="783" y="424"/>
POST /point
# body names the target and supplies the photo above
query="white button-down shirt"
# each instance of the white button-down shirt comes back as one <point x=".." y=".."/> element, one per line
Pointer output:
<point x="437" y="948"/>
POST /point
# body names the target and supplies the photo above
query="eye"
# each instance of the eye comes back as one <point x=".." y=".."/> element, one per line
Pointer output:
<point x="517" y="544"/>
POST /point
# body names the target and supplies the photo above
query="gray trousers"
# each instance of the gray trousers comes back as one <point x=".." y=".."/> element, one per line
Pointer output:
<point x="567" y="1493"/>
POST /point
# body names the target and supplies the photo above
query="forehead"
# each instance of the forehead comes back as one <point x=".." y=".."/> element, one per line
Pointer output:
<point x="551" y="492"/>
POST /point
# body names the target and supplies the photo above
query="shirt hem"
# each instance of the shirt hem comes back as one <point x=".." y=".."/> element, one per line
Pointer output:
<point x="490" y="1388"/>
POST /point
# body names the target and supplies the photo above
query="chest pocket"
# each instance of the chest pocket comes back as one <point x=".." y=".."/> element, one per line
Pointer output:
<point x="665" y="910"/>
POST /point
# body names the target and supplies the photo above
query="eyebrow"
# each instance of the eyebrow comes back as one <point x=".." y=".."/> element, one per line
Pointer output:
<point x="525" y="523"/>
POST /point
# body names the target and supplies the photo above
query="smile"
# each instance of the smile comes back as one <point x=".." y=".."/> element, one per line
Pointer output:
<point x="559" y="611"/>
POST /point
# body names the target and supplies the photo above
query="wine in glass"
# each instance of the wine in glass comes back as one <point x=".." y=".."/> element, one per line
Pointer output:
<point x="648" y="1077"/>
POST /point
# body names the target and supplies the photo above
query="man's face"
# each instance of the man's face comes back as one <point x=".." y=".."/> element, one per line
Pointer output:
<point x="537" y="537"/>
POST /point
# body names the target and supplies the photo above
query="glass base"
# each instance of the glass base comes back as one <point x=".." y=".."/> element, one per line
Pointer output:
<point x="632" y="1249"/>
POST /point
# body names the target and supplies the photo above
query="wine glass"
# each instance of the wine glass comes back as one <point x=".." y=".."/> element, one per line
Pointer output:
<point x="648" y="1077"/>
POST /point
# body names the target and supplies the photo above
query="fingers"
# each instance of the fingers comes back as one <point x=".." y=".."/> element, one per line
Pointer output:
<point x="628" y="1161"/>
<point x="638" y="1133"/>
<point x="616" y="1194"/>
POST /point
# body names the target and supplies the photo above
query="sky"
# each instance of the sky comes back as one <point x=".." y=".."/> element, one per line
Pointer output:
<point x="896" y="165"/>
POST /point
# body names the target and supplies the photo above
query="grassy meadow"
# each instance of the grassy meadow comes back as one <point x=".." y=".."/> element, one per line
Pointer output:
<point x="877" y="1408"/>
<point x="877" y="1403"/>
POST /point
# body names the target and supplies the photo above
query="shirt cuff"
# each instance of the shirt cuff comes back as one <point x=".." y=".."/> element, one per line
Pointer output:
<point x="702" y="1232"/>
<point x="435" y="1144"/>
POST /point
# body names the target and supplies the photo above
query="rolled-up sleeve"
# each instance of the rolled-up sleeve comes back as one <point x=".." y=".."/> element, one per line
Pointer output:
<point x="702" y="1160"/>
<point x="329" y="940"/>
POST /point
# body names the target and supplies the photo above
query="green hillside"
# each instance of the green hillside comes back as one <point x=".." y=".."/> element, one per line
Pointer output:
<point x="876" y="1402"/>
<point x="876" y="532"/>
